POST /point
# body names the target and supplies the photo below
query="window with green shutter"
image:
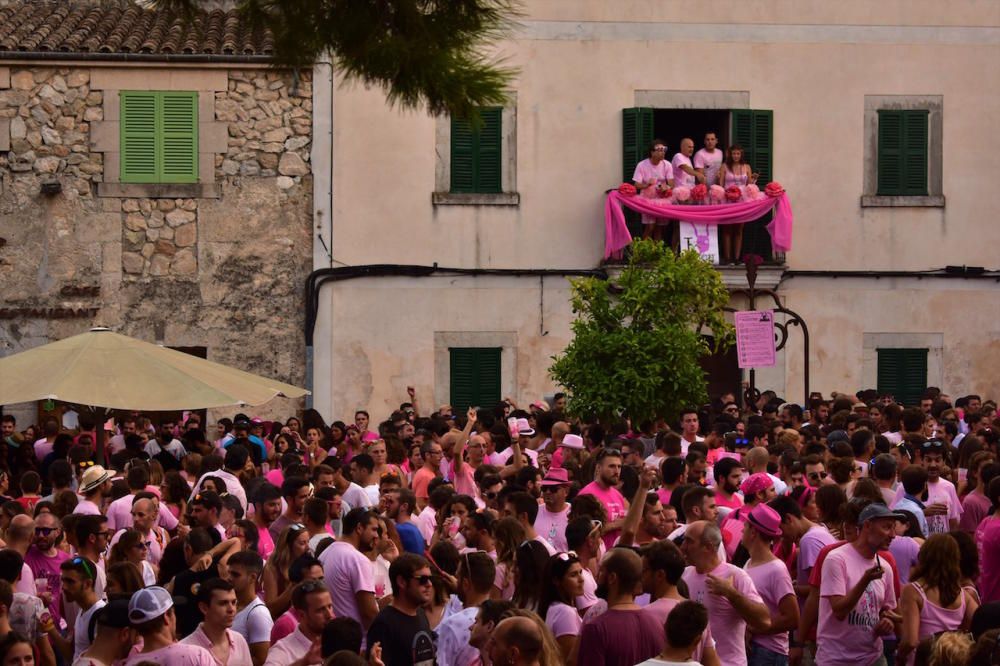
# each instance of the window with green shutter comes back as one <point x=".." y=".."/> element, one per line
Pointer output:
<point x="637" y="135"/>
<point x="475" y="377"/>
<point x="476" y="153"/>
<point x="902" y="152"/>
<point x="754" y="130"/>
<point x="902" y="373"/>
<point x="159" y="137"/>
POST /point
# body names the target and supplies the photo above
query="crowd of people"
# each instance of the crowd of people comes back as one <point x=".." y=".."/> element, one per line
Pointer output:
<point x="852" y="530"/>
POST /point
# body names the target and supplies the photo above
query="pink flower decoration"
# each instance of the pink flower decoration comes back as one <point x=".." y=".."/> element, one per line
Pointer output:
<point x="716" y="193"/>
<point x="733" y="193"/>
<point x="774" y="189"/>
<point x="753" y="192"/>
<point x="665" y="192"/>
<point x="627" y="190"/>
<point x="682" y="193"/>
<point x="699" y="192"/>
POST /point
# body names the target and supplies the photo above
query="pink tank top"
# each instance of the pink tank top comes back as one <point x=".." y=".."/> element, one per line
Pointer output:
<point x="934" y="618"/>
<point x="735" y="179"/>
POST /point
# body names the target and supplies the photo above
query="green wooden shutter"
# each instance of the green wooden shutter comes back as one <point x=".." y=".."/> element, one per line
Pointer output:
<point x="903" y="373"/>
<point x="915" y="152"/>
<point x="475" y="376"/>
<point x="138" y="137"/>
<point x="476" y="153"/>
<point x="742" y="130"/>
<point x="159" y="137"/>
<point x="762" y="160"/>
<point x="178" y="137"/>
<point x="637" y="134"/>
<point x="889" y="159"/>
<point x="754" y="130"/>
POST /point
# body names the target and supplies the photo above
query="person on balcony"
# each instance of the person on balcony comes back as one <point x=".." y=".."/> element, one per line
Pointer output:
<point x="708" y="160"/>
<point x="734" y="172"/>
<point x="652" y="176"/>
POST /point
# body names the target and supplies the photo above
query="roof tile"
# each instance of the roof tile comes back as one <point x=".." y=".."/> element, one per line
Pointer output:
<point x="119" y="26"/>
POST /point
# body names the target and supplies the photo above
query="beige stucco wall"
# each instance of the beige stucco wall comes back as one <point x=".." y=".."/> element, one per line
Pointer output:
<point x="811" y="62"/>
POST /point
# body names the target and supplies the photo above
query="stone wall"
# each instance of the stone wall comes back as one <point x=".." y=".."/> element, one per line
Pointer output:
<point x="225" y="273"/>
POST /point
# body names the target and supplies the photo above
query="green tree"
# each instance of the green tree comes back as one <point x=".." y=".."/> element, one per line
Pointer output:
<point x="436" y="54"/>
<point x="637" y="341"/>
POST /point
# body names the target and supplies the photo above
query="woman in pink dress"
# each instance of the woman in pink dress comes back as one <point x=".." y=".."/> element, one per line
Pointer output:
<point x="736" y="172"/>
<point x="653" y="175"/>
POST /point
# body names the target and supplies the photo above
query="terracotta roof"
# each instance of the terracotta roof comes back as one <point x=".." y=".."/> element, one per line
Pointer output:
<point x="119" y="27"/>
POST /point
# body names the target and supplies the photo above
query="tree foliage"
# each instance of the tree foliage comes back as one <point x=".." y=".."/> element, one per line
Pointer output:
<point x="637" y="341"/>
<point x="424" y="53"/>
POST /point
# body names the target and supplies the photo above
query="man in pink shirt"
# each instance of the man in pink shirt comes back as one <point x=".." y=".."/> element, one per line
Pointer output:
<point x="726" y="590"/>
<point x="348" y="572"/>
<point x="217" y="601"/>
<point x="942" y="508"/>
<point x="120" y="511"/>
<point x="462" y="471"/>
<point x="44" y="559"/>
<point x="95" y="485"/>
<point x="604" y="488"/>
<point x="553" y="515"/>
<point x="728" y="474"/>
<point x="857" y="599"/>
<point x="267" y="502"/>
<point x="431" y="452"/>
<point x="151" y="611"/>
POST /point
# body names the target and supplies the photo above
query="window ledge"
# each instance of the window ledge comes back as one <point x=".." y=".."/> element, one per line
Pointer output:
<point x="878" y="201"/>
<point x="475" y="199"/>
<point x="160" y="190"/>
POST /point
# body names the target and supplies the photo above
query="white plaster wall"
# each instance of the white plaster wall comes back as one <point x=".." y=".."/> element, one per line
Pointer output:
<point x="385" y="330"/>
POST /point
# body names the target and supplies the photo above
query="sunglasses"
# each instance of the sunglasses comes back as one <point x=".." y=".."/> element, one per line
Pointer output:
<point x="143" y="545"/>
<point x="83" y="562"/>
<point x="568" y="556"/>
<point x="932" y="444"/>
<point x="312" y="586"/>
<point x="426" y="579"/>
<point x="818" y="475"/>
<point x="490" y="495"/>
<point x="45" y="531"/>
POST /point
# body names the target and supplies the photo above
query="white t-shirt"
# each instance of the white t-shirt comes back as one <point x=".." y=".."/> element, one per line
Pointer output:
<point x="174" y="448"/>
<point x="254" y="623"/>
<point x="81" y="637"/>
<point x="551" y="527"/>
<point x="356" y="497"/>
<point x="681" y="178"/>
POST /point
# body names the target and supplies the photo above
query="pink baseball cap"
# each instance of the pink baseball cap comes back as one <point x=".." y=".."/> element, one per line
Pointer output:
<point x="765" y="520"/>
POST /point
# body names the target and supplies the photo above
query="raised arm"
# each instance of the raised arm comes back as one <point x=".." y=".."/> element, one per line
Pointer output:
<point x="631" y="525"/>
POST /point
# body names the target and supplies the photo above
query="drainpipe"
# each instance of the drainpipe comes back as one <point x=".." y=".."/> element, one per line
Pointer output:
<point x="322" y="217"/>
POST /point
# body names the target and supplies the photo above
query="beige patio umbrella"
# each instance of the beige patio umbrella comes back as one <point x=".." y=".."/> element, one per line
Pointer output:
<point x="102" y="369"/>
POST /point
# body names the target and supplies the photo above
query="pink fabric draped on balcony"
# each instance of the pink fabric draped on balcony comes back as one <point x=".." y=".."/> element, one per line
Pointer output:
<point x="617" y="236"/>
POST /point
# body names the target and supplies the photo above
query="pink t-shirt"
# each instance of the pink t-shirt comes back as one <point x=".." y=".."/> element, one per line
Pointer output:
<point x="239" y="651"/>
<point x="773" y="584"/>
<point x="346" y="572"/>
<point x="730" y="643"/>
<point x="614" y="504"/>
<point x="661" y="608"/>
<point x="563" y="620"/>
<point x="421" y="479"/>
<point x="810" y="544"/>
<point x="988" y="543"/>
<point x="711" y="162"/>
<point x="48" y="568"/>
<point x="682" y="179"/>
<point x="942" y="491"/>
<point x="265" y="544"/>
<point x="178" y="654"/>
<point x="120" y="513"/>
<point x="851" y="641"/>
<point x="646" y="171"/>
<point x="552" y="527"/>
<point x="463" y="479"/>
<point x="975" y="507"/>
<point x="86" y="507"/>
<point x="43" y="447"/>
<point x="284" y="625"/>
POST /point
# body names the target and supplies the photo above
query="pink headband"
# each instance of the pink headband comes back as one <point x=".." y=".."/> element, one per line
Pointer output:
<point x="806" y="494"/>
